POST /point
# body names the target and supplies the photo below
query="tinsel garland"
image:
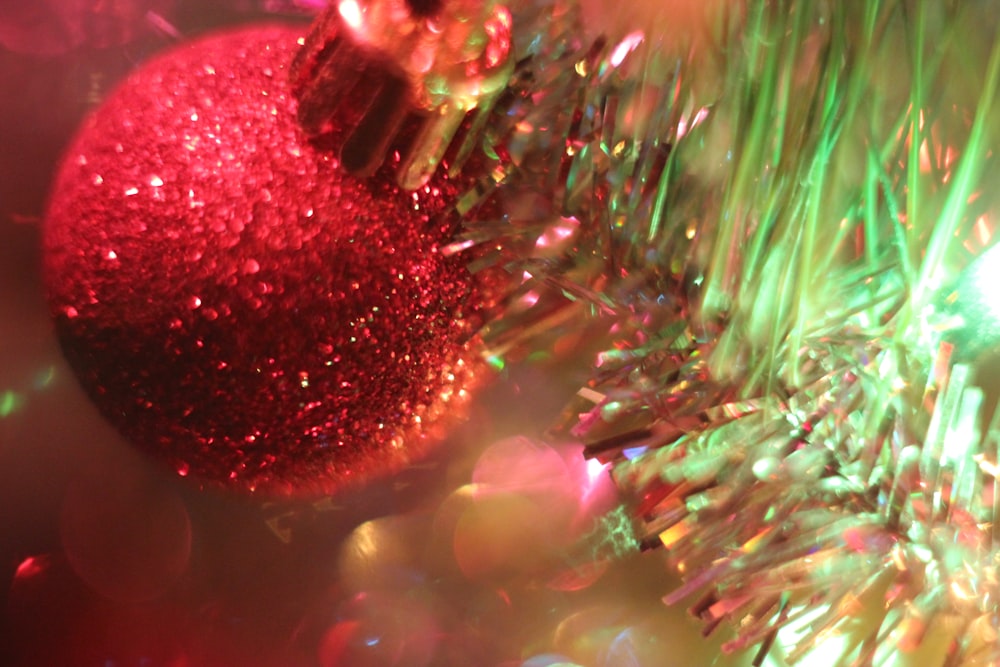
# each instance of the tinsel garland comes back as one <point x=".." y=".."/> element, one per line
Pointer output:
<point x="782" y="265"/>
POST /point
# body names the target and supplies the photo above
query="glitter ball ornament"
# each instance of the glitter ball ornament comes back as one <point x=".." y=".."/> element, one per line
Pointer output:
<point x="232" y="300"/>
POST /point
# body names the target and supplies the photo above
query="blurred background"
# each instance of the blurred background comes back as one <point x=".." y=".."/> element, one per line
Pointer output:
<point x="472" y="557"/>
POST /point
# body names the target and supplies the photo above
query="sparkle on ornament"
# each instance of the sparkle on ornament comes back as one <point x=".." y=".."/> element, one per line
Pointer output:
<point x="350" y="11"/>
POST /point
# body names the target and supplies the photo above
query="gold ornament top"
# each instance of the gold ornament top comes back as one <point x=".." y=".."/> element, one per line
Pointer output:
<point x="452" y="53"/>
<point x="377" y="64"/>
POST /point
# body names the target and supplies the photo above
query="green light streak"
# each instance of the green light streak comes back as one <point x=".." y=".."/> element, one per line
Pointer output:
<point x="10" y="402"/>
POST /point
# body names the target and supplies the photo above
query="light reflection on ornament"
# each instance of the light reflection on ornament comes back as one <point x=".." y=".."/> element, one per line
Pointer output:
<point x="351" y="13"/>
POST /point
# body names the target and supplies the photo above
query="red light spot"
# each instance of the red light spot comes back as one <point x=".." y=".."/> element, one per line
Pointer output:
<point x="29" y="567"/>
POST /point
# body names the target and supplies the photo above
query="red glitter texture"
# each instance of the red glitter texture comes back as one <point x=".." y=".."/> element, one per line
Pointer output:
<point x="236" y="304"/>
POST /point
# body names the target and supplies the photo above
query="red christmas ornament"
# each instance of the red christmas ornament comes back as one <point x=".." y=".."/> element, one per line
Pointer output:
<point x="234" y="302"/>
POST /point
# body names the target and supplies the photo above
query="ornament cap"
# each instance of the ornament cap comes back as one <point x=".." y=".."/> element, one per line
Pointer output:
<point x="400" y="74"/>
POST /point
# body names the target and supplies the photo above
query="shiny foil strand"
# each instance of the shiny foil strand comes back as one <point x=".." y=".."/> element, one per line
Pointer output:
<point x="783" y="278"/>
